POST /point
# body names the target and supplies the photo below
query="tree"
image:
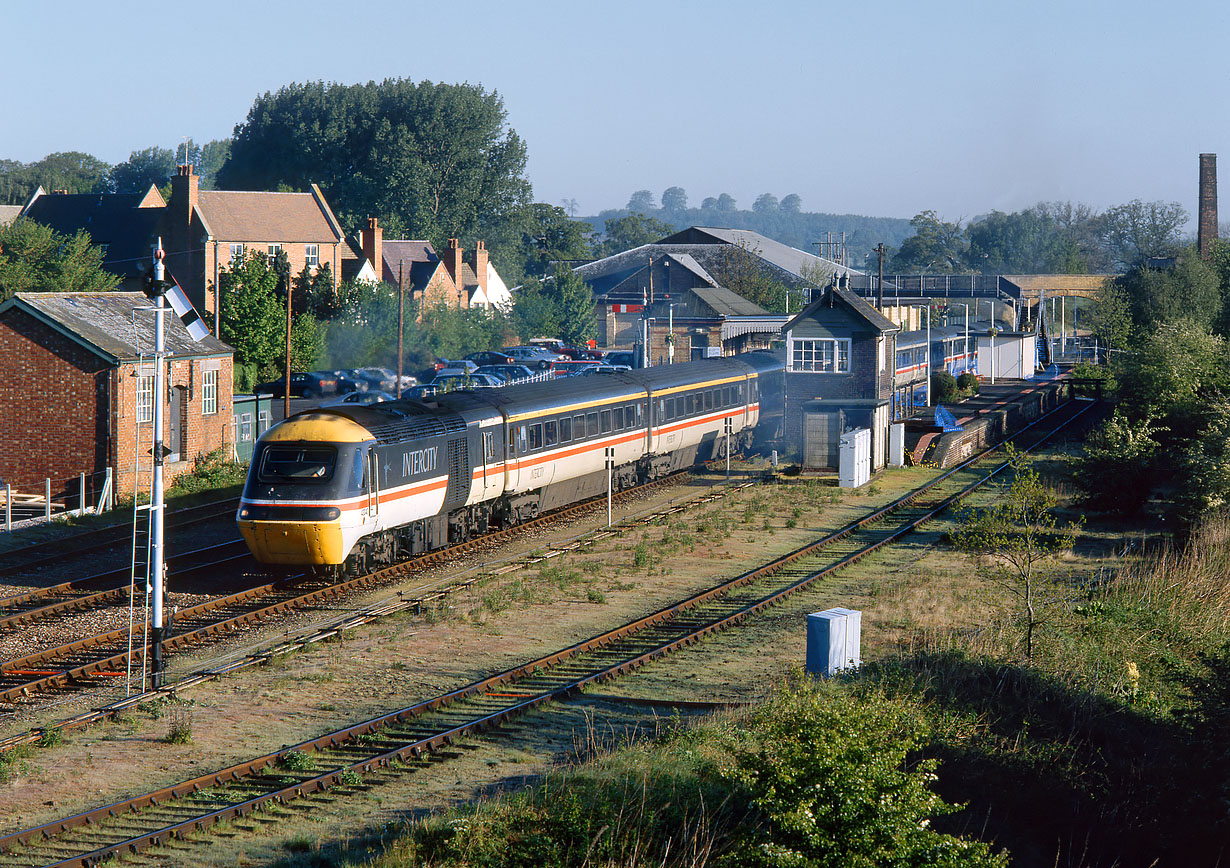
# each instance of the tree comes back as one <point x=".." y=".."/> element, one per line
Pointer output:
<point x="634" y="230"/>
<point x="791" y="204"/>
<point x="206" y="159"/>
<point x="1190" y="290"/>
<point x="1176" y="368"/>
<point x="253" y="322"/>
<point x="674" y="199"/>
<point x="437" y="160"/>
<point x="740" y="269"/>
<point x="708" y="204"/>
<point x="577" y="322"/>
<point x="1111" y="318"/>
<point x="642" y="201"/>
<point x="307" y="342"/>
<point x="1024" y="242"/>
<point x="314" y="293"/>
<point x="935" y="246"/>
<point x="36" y="258"/>
<point x="726" y="204"/>
<point x="71" y="171"/>
<point x="1018" y="534"/>
<point x="535" y="311"/>
<point x="766" y="203"/>
<point x="1119" y="449"/>
<point x="151" y="166"/>
<point x="537" y="235"/>
<point x="1140" y="230"/>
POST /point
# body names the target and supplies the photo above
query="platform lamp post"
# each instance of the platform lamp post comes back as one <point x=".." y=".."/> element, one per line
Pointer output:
<point x="992" y="331"/>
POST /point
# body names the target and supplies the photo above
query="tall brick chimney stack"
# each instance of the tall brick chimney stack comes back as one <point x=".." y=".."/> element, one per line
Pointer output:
<point x="1206" y="232"/>
<point x="453" y="262"/>
<point x="372" y="237"/>
<point x="480" y="265"/>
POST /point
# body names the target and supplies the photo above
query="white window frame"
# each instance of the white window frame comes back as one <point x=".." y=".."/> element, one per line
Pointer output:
<point x="145" y="399"/>
<point x="311" y="255"/>
<point x="237" y="253"/>
<point x="209" y="393"/>
<point x="820" y="355"/>
<point x="273" y="251"/>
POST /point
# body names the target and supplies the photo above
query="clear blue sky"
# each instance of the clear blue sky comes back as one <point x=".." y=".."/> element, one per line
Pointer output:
<point x="881" y="108"/>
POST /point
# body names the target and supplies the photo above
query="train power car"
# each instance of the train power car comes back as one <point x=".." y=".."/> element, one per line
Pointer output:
<point x="363" y="486"/>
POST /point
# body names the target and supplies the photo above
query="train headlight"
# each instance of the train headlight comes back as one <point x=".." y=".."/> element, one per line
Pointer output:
<point x="262" y="512"/>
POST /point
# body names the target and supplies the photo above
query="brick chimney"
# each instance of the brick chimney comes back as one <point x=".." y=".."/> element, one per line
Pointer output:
<point x="480" y="265"/>
<point x="453" y="262"/>
<point x="185" y="193"/>
<point x="1206" y="232"/>
<point x="373" y="246"/>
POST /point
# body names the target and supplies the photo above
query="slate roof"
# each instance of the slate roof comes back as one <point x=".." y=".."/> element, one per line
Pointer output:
<point x="127" y="223"/>
<point x="693" y="266"/>
<point x="707" y="248"/>
<point x="861" y="307"/>
<point x="727" y="303"/>
<point x="285" y="218"/>
<point x="408" y="254"/>
<point x="112" y="324"/>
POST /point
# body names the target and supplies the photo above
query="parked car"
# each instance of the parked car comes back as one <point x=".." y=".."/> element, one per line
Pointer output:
<point x="307" y="385"/>
<point x="349" y="380"/>
<point x="453" y="382"/>
<point x="361" y="399"/>
<point x="423" y="390"/>
<point x="509" y="373"/>
<point x="621" y="357"/>
<point x="534" y="357"/>
<point x="464" y="364"/>
<point x="490" y="357"/>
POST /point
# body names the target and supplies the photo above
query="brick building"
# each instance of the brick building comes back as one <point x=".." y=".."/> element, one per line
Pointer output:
<point x="76" y="390"/>
<point x="456" y="279"/>
<point x="840" y="358"/>
<point x="204" y="230"/>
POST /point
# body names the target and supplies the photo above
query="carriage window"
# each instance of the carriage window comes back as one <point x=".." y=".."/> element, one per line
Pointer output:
<point x="617" y="418"/>
<point x="708" y="400"/>
<point x="548" y="433"/>
<point x="297" y="464"/>
<point x="565" y="429"/>
<point x="606" y="421"/>
<point x="739" y="393"/>
<point x="591" y="424"/>
<point x="630" y="414"/>
<point x="690" y="403"/>
<point x="535" y="437"/>
<point x="578" y="427"/>
<point x="670" y="408"/>
<point x="521" y="440"/>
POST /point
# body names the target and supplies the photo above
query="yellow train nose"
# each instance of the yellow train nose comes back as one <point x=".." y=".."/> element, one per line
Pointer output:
<point x="297" y="543"/>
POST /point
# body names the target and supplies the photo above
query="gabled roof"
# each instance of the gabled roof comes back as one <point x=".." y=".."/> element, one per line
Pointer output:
<point x="693" y="266"/>
<point x="288" y="218"/>
<point x="857" y="305"/>
<point x="125" y="223"/>
<point x="117" y="326"/>
<point x="404" y="255"/>
<point x="708" y="248"/>
<point x="727" y="303"/>
<point x="9" y="213"/>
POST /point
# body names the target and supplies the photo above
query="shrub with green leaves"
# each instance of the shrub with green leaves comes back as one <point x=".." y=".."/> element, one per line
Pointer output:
<point x="832" y="782"/>
<point x="943" y="388"/>
<point x="968" y="383"/>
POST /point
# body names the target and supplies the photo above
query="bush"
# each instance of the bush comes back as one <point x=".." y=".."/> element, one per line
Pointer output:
<point x="968" y="383"/>
<point x="210" y="471"/>
<point x="943" y="388"/>
<point x="1099" y="373"/>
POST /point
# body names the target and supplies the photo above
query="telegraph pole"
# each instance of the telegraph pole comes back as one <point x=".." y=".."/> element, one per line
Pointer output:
<point x="286" y="391"/>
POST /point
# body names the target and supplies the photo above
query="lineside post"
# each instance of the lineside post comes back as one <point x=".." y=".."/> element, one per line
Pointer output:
<point x="728" y="427"/>
<point x="610" y="481"/>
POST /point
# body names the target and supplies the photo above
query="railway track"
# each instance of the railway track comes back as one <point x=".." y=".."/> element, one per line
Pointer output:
<point x="80" y="595"/>
<point x="104" y="538"/>
<point x="99" y="660"/>
<point x="338" y="760"/>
